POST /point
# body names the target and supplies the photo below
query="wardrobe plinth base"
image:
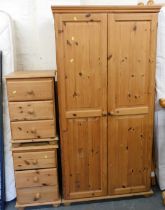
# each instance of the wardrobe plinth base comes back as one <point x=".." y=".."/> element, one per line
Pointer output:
<point x="145" y="194"/>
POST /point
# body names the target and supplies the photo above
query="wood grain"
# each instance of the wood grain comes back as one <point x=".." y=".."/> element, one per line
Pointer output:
<point x="106" y="98"/>
<point x="108" y="197"/>
<point x="32" y="110"/>
<point x="31" y="74"/>
<point x="129" y="111"/>
<point x="34" y="146"/>
<point x="36" y="178"/>
<point x="30" y="89"/>
<point x="33" y="129"/>
<point x="34" y="160"/>
<point x="106" y="9"/>
<point x="131" y="86"/>
<point x="82" y="87"/>
<point x="55" y="204"/>
<point x="34" y="141"/>
<point x="37" y="195"/>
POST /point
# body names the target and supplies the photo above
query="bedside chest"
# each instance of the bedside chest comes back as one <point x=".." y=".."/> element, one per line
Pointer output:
<point x="31" y="99"/>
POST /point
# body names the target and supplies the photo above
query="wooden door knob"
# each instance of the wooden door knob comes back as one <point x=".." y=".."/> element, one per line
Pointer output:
<point x="37" y="196"/>
<point x="35" y="179"/>
<point x="35" y="162"/>
<point x="162" y="102"/>
<point x="30" y="92"/>
<point x="150" y="2"/>
<point x="104" y="114"/>
<point x="111" y="113"/>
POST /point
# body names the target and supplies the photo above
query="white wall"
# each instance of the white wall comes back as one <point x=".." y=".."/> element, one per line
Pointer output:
<point x="34" y="29"/>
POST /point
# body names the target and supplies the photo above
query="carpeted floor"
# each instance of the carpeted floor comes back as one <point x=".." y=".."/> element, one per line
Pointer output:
<point x="151" y="203"/>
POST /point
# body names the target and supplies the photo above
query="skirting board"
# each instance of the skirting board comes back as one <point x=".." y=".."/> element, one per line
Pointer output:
<point x="146" y="194"/>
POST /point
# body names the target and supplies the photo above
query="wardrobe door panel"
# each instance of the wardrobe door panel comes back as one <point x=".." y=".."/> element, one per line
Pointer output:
<point x="82" y="91"/>
<point x="131" y="72"/>
<point x="128" y="160"/>
<point x="86" y="157"/>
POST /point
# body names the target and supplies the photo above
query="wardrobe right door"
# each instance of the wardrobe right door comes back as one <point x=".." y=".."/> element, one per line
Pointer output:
<point x="131" y="83"/>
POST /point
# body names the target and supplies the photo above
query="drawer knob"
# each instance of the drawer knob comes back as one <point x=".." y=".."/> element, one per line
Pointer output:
<point x="45" y="156"/>
<point x="33" y="131"/>
<point x="35" y="162"/>
<point x="30" y="92"/>
<point x="37" y="196"/>
<point x="35" y="179"/>
<point x="14" y="91"/>
<point x="31" y="112"/>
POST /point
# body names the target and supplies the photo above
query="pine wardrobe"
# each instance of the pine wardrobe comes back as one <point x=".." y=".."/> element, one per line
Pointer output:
<point x="106" y="84"/>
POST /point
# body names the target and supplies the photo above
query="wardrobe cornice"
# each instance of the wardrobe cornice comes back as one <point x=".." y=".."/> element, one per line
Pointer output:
<point x="106" y="9"/>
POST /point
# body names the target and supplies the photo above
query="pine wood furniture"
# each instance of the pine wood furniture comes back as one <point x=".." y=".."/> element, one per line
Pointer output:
<point x="150" y="2"/>
<point x="106" y="84"/>
<point x="34" y="141"/>
<point x="162" y="104"/>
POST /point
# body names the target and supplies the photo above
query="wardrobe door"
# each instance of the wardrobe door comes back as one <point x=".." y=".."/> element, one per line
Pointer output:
<point x="131" y="72"/>
<point x="82" y="89"/>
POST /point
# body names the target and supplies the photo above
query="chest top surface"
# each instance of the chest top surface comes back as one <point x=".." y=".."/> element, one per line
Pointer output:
<point x="31" y="74"/>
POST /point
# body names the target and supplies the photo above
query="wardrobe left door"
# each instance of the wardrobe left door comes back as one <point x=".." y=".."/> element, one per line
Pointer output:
<point x="81" y="41"/>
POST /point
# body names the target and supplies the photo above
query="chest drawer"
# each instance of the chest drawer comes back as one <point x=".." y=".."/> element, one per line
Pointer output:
<point x="36" y="178"/>
<point x="36" y="110"/>
<point x="37" y="195"/>
<point x="30" y="89"/>
<point x="35" y="160"/>
<point x="33" y="129"/>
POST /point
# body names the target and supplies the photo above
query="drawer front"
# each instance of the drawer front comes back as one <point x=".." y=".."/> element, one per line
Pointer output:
<point x="35" y="160"/>
<point x="33" y="129"/>
<point x="36" y="110"/>
<point x="30" y="89"/>
<point x="37" y="195"/>
<point x="36" y="178"/>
